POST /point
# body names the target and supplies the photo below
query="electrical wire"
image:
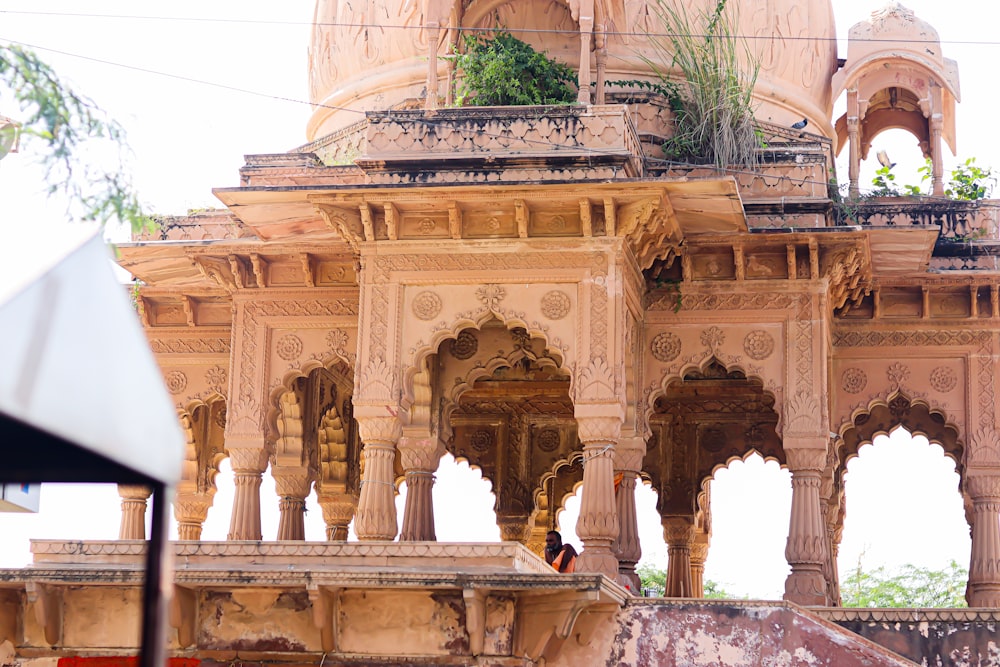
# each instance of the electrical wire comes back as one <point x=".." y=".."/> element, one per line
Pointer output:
<point x="471" y="29"/>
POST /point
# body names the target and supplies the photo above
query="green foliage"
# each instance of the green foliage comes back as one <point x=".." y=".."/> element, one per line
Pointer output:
<point x="655" y="580"/>
<point x="713" y="106"/>
<point x="884" y="183"/>
<point x="70" y="125"/>
<point x="907" y="586"/>
<point x="500" y="69"/>
<point x="968" y="182"/>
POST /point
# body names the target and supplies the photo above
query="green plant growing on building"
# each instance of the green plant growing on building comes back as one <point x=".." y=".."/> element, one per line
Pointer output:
<point x="713" y="103"/>
<point x="499" y="69"/>
<point x="69" y="125"/>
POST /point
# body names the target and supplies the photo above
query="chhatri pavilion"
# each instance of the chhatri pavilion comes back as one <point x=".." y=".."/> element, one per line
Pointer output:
<point x="543" y="292"/>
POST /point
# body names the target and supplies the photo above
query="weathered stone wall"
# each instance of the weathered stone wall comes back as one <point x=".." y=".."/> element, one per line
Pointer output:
<point x="940" y="637"/>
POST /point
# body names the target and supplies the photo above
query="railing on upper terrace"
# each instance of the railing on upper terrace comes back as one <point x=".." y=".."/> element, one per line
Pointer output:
<point x="958" y="220"/>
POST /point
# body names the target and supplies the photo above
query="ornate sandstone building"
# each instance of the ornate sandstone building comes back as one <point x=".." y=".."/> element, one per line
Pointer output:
<point x="536" y="290"/>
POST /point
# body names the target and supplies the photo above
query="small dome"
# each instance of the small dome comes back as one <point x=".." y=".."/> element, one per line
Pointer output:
<point x="372" y="54"/>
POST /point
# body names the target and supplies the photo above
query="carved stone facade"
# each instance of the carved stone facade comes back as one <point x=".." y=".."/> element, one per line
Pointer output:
<point x="535" y="292"/>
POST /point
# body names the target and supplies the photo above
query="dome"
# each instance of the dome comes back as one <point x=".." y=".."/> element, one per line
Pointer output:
<point x="373" y="54"/>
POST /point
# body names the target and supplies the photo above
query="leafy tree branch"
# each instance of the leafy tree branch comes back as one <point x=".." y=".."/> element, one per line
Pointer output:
<point x="70" y="126"/>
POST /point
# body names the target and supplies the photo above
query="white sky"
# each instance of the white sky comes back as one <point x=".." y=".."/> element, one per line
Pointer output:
<point x="188" y="138"/>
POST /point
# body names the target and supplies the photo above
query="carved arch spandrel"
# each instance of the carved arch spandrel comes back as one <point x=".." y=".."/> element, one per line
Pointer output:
<point x="898" y="410"/>
<point x="673" y="351"/>
<point x="940" y="381"/>
<point x="703" y="422"/>
<point x="480" y="354"/>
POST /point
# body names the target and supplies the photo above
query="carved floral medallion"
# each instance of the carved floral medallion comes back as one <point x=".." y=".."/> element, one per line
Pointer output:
<point x="217" y="379"/>
<point x="555" y="305"/>
<point x="665" y="347"/>
<point x="176" y="381"/>
<point x="758" y="344"/>
<point x="289" y="347"/>
<point x="854" y="380"/>
<point x="548" y="440"/>
<point x="943" y="379"/>
<point x="481" y="440"/>
<point x="427" y="305"/>
<point x="465" y="345"/>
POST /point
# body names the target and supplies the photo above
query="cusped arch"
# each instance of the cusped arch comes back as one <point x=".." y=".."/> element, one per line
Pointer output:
<point x="417" y="357"/>
<point x="294" y="379"/>
<point x="556" y="486"/>
<point x="707" y="364"/>
<point x="883" y="416"/>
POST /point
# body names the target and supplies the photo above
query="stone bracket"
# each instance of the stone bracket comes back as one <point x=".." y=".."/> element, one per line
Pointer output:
<point x="47" y="602"/>
<point x="184" y="614"/>
<point x="545" y="622"/>
<point x="326" y="611"/>
<point x="475" y="618"/>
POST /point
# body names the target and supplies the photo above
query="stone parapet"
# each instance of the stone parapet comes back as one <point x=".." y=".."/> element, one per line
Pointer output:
<point x="249" y="555"/>
<point x="471" y="144"/>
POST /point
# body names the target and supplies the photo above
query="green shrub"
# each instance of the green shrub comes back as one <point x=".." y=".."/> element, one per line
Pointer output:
<point x="500" y="70"/>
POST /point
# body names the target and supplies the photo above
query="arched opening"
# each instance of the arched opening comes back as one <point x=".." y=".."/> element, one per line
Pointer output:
<point x="506" y="410"/>
<point x="898" y="474"/>
<point x="751" y="502"/>
<point x="903" y="509"/>
<point x="702" y="421"/>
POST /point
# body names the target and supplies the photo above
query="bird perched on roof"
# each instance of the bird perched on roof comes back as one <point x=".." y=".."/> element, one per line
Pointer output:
<point x="801" y="124"/>
<point x="883" y="159"/>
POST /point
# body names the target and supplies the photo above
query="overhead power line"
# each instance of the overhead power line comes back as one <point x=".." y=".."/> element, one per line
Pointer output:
<point x="620" y="33"/>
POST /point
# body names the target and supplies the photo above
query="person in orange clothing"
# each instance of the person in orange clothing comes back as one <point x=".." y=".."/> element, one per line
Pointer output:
<point x="560" y="556"/>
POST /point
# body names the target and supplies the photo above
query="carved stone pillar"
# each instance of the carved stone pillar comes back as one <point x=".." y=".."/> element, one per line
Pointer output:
<point x="597" y="526"/>
<point x="133" y="525"/>
<point x="292" y="485"/>
<point x="421" y="456"/>
<point x="805" y="549"/>
<point x="937" y="157"/>
<point x="699" y="554"/>
<point x="376" y="515"/>
<point x="854" y="156"/>
<point x="190" y="512"/>
<point x="984" y="565"/>
<point x="338" y="510"/>
<point x="586" y="22"/>
<point x="854" y="142"/>
<point x="628" y="463"/>
<point x="601" y="53"/>
<point x="433" y="36"/>
<point x="248" y="469"/>
<point x="678" y="533"/>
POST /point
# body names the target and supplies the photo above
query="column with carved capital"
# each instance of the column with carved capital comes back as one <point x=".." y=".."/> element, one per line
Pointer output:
<point x="984" y="565"/>
<point x="249" y="465"/>
<point x="806" y="548"/>
<point x="190" y="512"/>
<point x="292" y="484"/>
<point x="628" y="464"/>
<point x="134" y="497"/>
<point x="420" y="455"/>
<point x="338" y="511"/>
<point x="678" y="533"/>
<point x="699" y="554"/>
<point x="597" y="526"/>
<point x="376" y="515"/>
